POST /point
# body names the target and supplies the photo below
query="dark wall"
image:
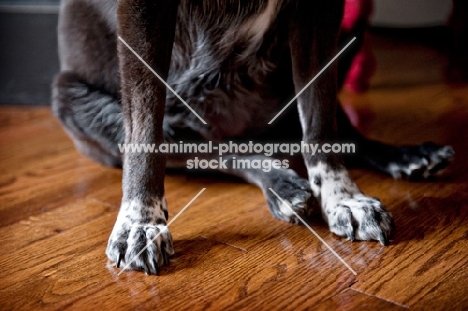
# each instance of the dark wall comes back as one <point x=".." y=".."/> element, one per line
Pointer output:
<point x="28" y="53"/>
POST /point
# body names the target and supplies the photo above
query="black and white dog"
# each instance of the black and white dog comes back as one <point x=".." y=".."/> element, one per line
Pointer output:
<point x="236" y="63"/>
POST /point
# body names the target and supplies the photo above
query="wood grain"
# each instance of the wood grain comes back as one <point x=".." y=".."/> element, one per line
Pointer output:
<point x="57" y="209"/>
<point x="350" y="299"/>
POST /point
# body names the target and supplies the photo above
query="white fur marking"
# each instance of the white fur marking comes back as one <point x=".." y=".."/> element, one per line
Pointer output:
<point x="325" y="191"/>
<point x="342" y="202"/>
<point x="135" y="209"/>
<point x="285" y="208"/>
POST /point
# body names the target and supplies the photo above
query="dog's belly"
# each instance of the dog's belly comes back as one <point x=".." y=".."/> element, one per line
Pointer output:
<point x="225" y="66"/>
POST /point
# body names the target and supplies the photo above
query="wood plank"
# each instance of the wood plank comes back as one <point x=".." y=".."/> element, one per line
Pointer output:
<point x="350" y="299"/>
<point x="57" y="209"/>
<point x="426" y="263"/>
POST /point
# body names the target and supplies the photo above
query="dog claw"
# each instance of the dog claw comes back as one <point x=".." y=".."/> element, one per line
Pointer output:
<point x="118" y="261"/>
<point x="165" y="254"/>
<point x="350" y="234"/>
<point x="383" y="240"/>
<point x="139" y="248"/>
<point x="156" y="267"/>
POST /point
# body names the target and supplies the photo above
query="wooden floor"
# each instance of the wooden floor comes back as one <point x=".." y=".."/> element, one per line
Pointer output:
<point x="57" y="209"/>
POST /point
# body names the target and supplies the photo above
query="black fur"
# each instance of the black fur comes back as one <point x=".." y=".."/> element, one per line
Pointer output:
<point x="237" y="76"/>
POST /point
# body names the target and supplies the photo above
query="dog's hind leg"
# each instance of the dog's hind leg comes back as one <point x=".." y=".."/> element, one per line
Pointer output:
<point x="86" y="92"/>
<point x="406" y="161"/>
<point x="414" y="162"/>
<point x="92" y="117"/>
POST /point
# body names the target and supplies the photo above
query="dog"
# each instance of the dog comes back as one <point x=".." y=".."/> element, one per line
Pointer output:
<point x="236" y="63"/>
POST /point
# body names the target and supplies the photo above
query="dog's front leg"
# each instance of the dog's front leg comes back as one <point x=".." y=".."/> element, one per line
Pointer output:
<point x="148" y="27"/>
<point x="314" y="27"/>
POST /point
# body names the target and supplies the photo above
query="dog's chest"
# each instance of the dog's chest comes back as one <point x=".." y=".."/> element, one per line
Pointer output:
<point x="228" y="26"/>
<point x="254" y="28"/>
<point x="217" y="64"/>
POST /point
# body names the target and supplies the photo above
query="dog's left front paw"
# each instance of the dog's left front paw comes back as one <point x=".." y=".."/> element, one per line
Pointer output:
<point x="362" y="218"/>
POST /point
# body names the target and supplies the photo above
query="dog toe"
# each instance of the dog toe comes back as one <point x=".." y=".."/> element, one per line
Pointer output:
<point x="361" y="218"/>
<point x="141" y="247"/>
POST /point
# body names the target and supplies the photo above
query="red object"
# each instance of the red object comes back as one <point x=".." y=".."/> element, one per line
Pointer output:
<point x="364" y="63"/>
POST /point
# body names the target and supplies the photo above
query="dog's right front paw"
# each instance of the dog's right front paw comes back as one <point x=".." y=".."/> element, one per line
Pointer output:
<point x="143" y="247"/>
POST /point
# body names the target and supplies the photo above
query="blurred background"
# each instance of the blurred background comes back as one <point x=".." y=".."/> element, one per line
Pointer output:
<point x="28" y="50"/>
<point x="28" y="41"/>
